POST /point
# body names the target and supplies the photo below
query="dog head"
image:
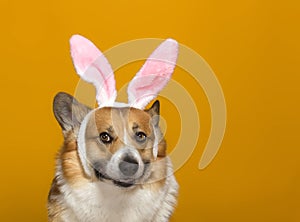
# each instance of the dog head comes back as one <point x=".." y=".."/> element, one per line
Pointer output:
<point x="115" y="145"/>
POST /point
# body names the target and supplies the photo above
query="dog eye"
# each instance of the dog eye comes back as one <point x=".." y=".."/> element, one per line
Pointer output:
<point x="105" y="137"/>
<point x="140" y="136"/>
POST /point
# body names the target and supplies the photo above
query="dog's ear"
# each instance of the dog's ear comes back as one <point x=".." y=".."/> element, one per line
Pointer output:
<point x="154" y="112"/>
<point x="68" y="111"/>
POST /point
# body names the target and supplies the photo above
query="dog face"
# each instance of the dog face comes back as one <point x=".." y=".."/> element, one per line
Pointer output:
<point x="116" y="145"/>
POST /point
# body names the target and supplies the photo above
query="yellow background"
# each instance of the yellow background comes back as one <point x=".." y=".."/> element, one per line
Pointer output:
<point x="253" y="47"/>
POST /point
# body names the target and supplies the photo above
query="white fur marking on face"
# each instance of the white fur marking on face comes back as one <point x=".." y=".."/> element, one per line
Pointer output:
<point x="125" y="137"/>
<point x="125" y="140"/>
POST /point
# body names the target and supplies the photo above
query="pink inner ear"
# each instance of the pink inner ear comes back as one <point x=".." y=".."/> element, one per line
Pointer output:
<point x="154" y="75"/>
<point x="83" y="52"/>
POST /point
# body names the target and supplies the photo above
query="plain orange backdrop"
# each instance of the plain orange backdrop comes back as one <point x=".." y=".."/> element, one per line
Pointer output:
<point x="253" y="47"/>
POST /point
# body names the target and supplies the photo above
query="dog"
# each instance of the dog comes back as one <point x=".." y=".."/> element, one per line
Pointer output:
<point x="113" y="164"/>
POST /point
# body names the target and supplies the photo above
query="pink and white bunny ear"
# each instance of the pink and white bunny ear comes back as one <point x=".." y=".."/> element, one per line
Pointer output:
<point x="154" y="75"/>
<point x="92" y="66"/>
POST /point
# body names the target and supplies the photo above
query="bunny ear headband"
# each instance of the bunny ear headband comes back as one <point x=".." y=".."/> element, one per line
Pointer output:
<point x="93" y="67"/>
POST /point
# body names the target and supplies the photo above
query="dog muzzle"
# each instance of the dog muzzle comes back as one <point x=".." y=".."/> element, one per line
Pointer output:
<point x="125" y="165"/>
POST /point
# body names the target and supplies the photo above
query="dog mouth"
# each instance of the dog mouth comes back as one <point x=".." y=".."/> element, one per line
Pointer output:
<point x="119" y="183"/>
<point x="122" y="184"/>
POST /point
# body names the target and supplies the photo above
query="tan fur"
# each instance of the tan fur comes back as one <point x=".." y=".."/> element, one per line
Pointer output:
<point x="71" y="166"/>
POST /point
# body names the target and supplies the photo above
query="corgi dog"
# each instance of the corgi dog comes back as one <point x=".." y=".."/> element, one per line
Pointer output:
<point x="113" y="165"/>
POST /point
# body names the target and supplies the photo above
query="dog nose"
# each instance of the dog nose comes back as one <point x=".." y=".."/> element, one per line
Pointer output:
<point x="128" y="165"/>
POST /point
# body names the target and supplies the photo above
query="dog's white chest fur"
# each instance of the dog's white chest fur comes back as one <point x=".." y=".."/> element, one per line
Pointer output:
<point x="102" y="202"/>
